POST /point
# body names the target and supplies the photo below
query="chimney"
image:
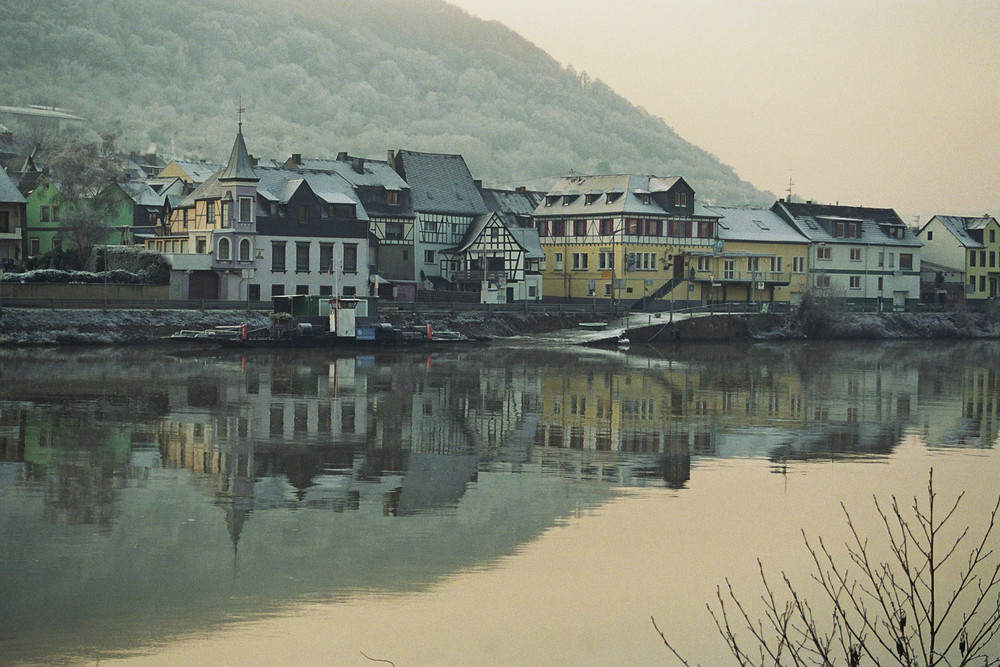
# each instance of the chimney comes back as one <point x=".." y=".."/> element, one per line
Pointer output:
<point x="359" y="165"/>
<point x="253" y="160"/>
<point x="342" y="156"/>
<point x="522" y="188"/>
<point x="297" y="159"/>
<point x="391" y="157"/>
<point x="478" y="182"/>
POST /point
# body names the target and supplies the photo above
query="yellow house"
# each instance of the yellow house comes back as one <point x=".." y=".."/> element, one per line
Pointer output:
<point x="757" y="258"/>
<point x="621" y="238"/>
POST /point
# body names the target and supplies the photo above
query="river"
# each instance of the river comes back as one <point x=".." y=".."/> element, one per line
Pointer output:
<point x="506" y="504"/>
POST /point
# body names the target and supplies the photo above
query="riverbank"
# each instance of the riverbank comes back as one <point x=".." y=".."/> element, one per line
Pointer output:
<point x="28" y="326"/>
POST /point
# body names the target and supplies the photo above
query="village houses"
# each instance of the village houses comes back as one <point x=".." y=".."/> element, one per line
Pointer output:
<point x="418" y="225"/>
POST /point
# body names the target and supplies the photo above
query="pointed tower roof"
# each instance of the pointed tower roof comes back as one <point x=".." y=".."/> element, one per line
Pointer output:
<point x="239" y="167"/>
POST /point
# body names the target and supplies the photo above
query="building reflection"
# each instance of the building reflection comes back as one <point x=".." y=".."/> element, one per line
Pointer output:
<point x="409" y="433"/>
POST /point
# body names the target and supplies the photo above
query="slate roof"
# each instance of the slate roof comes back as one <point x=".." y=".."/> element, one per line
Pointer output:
<point x="374" y="173"/>
<point x="809" y="219"/>
<point x="516" y="202"/>
<point x="9" y="194"/>
<point x="278" y="184"/>
<point x="755" y="224"/>
<point x="141" y="194"/>
<point x="440" y="183"/>
<point x="960" y="226"/>
<point x="574" y="192"/>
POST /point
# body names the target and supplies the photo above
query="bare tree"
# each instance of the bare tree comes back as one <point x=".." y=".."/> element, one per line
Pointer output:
<point x="84" y="166"/>
<point x="934" y="600"/>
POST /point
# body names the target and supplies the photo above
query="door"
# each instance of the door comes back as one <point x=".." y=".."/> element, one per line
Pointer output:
<point x="203" y="285"/>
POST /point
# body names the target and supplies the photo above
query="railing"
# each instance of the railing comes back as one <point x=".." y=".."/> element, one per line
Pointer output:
<point x="769" y="277"/>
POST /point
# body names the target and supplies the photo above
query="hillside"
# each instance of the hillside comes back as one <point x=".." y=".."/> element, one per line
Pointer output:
<point x="322" y="76"/>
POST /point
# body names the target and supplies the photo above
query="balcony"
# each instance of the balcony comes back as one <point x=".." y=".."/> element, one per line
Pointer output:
<point x="769" y="278"/>
<point x="495" y="277"/>
<point x="12" y="233"/>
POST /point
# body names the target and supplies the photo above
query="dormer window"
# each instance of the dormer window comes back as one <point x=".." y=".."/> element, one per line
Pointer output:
<point x="550" y="200"/>
<point x="392" y="197"/>
<point x="680" y="199"/>
<point x="644" y="197"/>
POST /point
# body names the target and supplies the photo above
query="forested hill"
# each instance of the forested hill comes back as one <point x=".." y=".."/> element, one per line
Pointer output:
<point x="321" y="76"/>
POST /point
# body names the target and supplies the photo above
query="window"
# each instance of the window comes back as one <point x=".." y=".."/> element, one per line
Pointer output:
<point x="881" y="283"/>
<point x="852" y="230"/>
<point x="704" y="263"/>
<point x="494" y="233"/>
<point x="632" y="227"/>
<point x="892" y="260"/>
<point x="302" y="289"/>
<point x="55" y="214"/>
<point x="607" y="289"/>
<point x="680" y="199"/>
<point x="57" y="245"/>
<point x="184" y="218"/>
<point x="557" y="262"/>
<point x="4" y="222"/>
<point x="982" y="258"/>
<point x="644" y="197"/>
<point x="580" y="261"/>
<point x="838" y="230"/>
<point x="823" y="252"/>
<point x="993" y="236"/>
<point x="776" y="264"/>
<point x="705" y="230"/>
<point x="604" y="260"/>
<point x="428" y="256"/>
<point x="855" y="254"/>
<point x="822" y="280"/>
<point x="993" y="259"/>
<point x="798" y="264"/>
<point x="607" y="227"/>
<point x="930" y="236"/>
<point x="350" y="290"/>
<point x="543" y="228"/>
<point x="558" y="228"/>
<point x="302" y="257"/>
<point x="753" y="263"/>
<point x="44" y="214"/>
<point x="855" y="282"/>
<point x="225" y="215"/>
<point x="579" y="228"/>
<point x="224" y="249"/>
<point x="278" y="256"/>
<point x="881" y="259"/>
<point x="326" y="257"/>
<point x="34" y="246"/>
<point x="982" y="283"/>
<point x="972" y="282"/>
<point x="326" y="290"/>
<point x="246" y="250"/>
<point x="303" y="214"/>
<point x="392" y="197"/>
<point x="905" y="260"/>
<point x="210" y="213"/>
<point x="972" y="258"/>
<point x="277" y="290"/>
<point x="645" y="261"/>
<point x="350" y="258"/>
<point x="201" y="245"/>
<point x="728" y="268"/>
<point x="253" y="292"/>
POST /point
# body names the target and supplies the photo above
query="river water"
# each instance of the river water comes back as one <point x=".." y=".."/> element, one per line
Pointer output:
<point x="476" y="505"/>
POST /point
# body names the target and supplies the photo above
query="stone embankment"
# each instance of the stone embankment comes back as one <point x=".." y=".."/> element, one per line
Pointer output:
<point x="24" y="326"/>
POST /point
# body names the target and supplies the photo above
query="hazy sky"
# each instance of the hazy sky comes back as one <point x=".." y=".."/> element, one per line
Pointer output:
<point x="872" y="102"/>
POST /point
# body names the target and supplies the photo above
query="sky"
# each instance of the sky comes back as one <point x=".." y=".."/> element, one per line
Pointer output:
<point x="861" y="102"/>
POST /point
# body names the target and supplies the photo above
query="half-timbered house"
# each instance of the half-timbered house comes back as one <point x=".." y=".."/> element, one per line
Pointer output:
<point x="446" y="202"/>
<point x="621" y="238"/>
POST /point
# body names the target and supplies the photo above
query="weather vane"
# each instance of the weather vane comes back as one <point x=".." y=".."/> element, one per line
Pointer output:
<point x="240" y="111"/>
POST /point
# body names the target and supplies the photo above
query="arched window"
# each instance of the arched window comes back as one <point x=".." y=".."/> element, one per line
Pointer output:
<point x="224" y="251"/>
<point x="245" y="250"/>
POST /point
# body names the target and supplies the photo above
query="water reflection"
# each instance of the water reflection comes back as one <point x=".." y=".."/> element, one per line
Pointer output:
<point x="146" y="493"/>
